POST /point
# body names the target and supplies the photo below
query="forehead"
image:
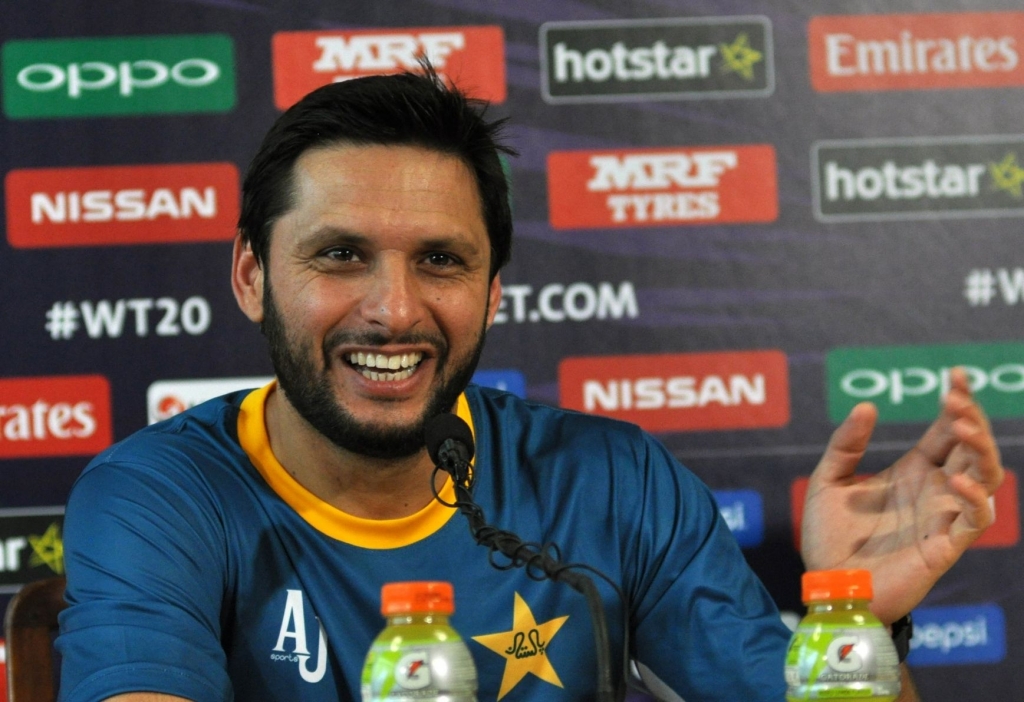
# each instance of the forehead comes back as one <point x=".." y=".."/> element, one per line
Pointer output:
<point x="377" y="187"/>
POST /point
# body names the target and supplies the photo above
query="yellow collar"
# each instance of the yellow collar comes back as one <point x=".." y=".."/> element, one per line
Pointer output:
<point x="358" y="531"/>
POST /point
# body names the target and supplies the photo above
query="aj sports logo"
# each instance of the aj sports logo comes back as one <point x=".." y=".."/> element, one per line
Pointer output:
<point x="918" y="178"/>
<point x="292" y="644"/>
<point x="118" y="76"/>
<point x="656" y="59"/>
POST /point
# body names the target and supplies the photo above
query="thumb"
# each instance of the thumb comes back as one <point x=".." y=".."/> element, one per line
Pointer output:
<point x="847" y="446"/>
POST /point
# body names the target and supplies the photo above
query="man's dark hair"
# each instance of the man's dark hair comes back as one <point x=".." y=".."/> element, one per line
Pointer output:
<point x="408" y="109"/>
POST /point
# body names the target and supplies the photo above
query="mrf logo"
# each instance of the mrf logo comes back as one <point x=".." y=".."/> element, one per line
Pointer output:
<point x="293" y="646"/>
<point x="681" y="392"/>
<point x="54" y="416"/>
<point x="31" y="545"/>
<point x="662" y="187"/>
<point x="118" y="76"/>
<point x="1003" y="533"/>
<point x="916" y="52"/>
<point x="918" y="178"/>
<point x="55" y="207"/>
<point x="471" y="57"/>
<point x="656" y="59"/>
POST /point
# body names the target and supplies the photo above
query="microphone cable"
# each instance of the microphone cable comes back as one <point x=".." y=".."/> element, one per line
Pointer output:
<point x="450" y="445"/>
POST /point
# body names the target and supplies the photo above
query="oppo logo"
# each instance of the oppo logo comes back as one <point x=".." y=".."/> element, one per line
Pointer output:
<point x="88" y="77"/>
<point x="906" y="382"/>
<point x="899" y="384"/>
<point x="126" y="75"/>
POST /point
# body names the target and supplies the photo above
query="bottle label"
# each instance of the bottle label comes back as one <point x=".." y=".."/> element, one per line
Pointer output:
<point x="427" y="671"/>
<point x="842" y="662"/>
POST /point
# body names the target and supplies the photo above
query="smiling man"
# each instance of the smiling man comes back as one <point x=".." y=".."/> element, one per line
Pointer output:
<point x="374" y="294"/>
<point x="237" y="550"/>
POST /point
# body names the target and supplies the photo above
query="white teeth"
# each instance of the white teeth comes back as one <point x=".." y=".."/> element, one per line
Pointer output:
<point x="374" y="375"/>
<point x="405" y="364"/>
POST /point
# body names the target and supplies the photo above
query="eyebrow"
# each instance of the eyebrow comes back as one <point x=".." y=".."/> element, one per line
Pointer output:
<point x="329" y="235"/>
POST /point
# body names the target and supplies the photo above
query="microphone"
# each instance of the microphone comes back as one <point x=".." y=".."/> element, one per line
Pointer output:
<point x="450" y="445"/>
<point x="449" y="442"/>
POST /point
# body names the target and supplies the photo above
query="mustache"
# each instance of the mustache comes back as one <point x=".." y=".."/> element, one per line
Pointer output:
<point x="368" y="337"/>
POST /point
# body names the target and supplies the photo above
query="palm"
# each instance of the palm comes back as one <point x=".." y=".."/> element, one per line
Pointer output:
<point x="910" y="523"/>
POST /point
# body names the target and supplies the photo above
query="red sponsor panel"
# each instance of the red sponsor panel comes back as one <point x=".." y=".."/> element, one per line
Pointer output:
<point x="473" y="58"/>
<point x="916" y="52"/>
<point x="1004" y="532"/>
<point x="665" y="186"/>
<point x="3" y="671"/>
<point x="681" y="392"/>
<point x="54" y="416"/>
<point x="104" y="205"/>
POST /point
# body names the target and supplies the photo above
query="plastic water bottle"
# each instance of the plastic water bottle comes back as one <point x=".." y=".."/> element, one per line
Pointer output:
<point x="841" y="650"/>
<point x="418" y="655"/>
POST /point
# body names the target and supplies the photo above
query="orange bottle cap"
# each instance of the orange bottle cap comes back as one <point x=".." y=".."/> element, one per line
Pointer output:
<point x="837" y="585"/>
<point x="412" y="597"/>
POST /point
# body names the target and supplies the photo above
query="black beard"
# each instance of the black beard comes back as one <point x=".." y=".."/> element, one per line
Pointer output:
<point x="309" y="390"/>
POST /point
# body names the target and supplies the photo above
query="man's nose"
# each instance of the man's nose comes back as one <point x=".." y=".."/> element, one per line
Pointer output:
<point x="392" y="298"/>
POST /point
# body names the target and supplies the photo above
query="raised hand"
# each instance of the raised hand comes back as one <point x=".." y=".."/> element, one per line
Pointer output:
<point x="910" y="523"/>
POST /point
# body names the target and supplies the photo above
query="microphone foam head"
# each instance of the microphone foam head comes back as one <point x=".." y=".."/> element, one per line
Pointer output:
<point x="441" y="428"/>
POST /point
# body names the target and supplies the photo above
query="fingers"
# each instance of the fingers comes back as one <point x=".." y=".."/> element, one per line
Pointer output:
<point x="976" y="454"/>
<point x="940" y="438"/>
<point x="977" y="513"/>
<point x="847" y="445"/>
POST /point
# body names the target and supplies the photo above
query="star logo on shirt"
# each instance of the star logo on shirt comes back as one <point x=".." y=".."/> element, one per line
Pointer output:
<point x="524" y="647"/>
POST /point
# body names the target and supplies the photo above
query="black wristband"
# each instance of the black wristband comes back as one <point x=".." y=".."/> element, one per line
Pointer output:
<point x="902" y="630"/>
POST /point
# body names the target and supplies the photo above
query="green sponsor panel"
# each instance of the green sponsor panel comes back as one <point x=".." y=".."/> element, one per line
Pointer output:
<point x="906" y="382"/>
<point x="118" y="76"/>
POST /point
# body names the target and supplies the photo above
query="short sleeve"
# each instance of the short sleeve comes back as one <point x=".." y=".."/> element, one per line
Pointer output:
<point x="146" y="567"/>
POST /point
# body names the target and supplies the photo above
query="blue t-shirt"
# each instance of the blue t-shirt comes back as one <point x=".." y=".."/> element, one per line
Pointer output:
<point x="198" y="567"/>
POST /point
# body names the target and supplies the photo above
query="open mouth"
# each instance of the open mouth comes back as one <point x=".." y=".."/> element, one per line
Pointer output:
<point x="378" y="366"/>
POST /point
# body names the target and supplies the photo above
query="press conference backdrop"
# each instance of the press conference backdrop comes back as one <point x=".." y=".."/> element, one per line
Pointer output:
<point x="734" y="221"/>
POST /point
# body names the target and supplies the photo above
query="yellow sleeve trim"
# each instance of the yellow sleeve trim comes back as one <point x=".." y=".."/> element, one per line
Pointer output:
<point x="325" y="518"/>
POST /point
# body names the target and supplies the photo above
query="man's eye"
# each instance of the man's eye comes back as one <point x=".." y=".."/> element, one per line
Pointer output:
<point x="341" y="254"/>
<point x="440" y="259"/>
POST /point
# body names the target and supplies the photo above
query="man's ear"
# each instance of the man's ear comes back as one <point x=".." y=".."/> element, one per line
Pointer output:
<point x="247" y="280"/>
<point x="493" y="299"/>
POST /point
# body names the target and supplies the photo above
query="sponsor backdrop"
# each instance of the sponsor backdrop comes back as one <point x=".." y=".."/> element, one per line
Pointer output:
<point x="734" y="221"/>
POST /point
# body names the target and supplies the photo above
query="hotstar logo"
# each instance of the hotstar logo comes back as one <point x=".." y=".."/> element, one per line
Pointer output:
<point x="739" y="57"/>
<point x="659" y="59"/>
<point x="917" y="178"/>
<point x="1007" y="175"/>
<point x="48" y="549"/>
